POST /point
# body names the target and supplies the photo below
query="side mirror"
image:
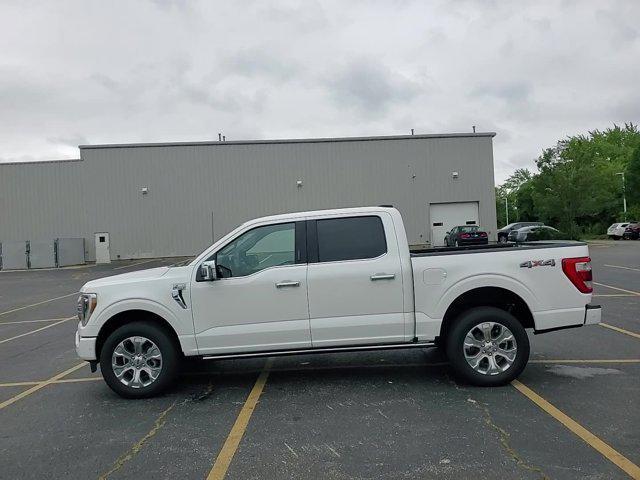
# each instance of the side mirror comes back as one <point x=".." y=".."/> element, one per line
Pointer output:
<point x="208" y="271"/>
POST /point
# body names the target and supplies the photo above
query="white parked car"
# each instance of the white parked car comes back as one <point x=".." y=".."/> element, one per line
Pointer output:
<point x="616" y="231"/>
<point x="331" y="281"/>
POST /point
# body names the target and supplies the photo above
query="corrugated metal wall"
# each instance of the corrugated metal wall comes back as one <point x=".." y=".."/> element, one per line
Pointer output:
<point x="236" y="182"/>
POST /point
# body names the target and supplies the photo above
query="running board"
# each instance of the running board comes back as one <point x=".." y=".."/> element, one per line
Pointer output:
<point x="280" y="353"/>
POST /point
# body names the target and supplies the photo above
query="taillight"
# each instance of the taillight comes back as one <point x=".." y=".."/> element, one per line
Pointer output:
<point x="483" y="234"/>
<point x="578" y="271"/>
<point x="465" y="235"/>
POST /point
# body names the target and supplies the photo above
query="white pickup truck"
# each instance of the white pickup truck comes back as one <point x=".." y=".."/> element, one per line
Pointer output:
<point x="329" y="281"/>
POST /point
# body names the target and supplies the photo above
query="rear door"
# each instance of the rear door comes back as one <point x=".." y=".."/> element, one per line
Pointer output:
<point x="354" y="281"/>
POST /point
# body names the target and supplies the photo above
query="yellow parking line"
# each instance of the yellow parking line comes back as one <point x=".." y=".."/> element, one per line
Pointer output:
<point x="617" y="288"/>
<point x="77" y="380"/>
<point x="232" y="442"/>
<point x="18" y="384"/>
<point x="32" y="321"/>
<point x="604" y="449"/>
<point x="616" y="360"/>
<point x="136" y="264"/>
<point x="38" y="303"/>
<point x="36" y="330"/>
<point x="64" y="380"/>
<point x="614" y="295"/>
<point x="624" y="268"/>
<point x="621" y="330"/>
<point x="40" y="385"/>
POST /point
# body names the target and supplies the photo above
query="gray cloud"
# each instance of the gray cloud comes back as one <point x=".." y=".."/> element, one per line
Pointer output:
<point x="516" y="91"/>
<point x="255" y="62"/>
<point x="370" y="87"/>
<point x="165" y="70"/>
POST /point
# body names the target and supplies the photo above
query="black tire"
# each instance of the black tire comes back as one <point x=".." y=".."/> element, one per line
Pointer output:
<point x="502" y="239"/>
<point x="456" y="338"/>
<point x="455" y="242"/>
<point x="169" y="362"/>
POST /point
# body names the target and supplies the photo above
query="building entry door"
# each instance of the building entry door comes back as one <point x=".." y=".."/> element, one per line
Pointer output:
<point x="102" y="248"/>
<point x="445" y="216"/>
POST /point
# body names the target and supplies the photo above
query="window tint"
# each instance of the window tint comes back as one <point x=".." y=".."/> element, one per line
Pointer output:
<point x="257" y="249"/>
<point x="350" y="238"/>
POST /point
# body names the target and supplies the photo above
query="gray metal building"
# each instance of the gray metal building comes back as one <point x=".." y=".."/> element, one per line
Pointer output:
<point x="173" y="199"/>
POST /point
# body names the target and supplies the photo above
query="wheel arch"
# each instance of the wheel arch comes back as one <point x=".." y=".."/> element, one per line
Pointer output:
<point x="128" y="316"/>
<point x="499" y="297"/>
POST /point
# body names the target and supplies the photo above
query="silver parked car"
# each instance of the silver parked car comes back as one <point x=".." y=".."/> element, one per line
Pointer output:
<point x="616" y="231"/>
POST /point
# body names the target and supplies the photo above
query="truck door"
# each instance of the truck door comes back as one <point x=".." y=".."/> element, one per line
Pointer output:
<point x="260" y="301"/>
<point x="355" y="281"/>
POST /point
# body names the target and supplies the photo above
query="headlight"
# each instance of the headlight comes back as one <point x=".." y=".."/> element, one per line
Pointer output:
<point x="86" y="305"/>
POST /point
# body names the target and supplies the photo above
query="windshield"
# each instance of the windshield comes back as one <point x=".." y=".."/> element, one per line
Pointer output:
<point x="469" y="228"/>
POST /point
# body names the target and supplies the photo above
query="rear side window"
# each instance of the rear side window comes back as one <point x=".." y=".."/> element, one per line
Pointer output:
<point x="353" y="238"/>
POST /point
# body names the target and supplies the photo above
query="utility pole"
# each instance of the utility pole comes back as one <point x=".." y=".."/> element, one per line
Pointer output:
<point x="624" y="196"/>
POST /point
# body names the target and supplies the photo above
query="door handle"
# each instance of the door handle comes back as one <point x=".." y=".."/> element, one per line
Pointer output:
<point x="287" y="283"/>
<point x="383" y="276"/>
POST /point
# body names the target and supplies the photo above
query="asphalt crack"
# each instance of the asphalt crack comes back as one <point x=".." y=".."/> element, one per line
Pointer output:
<point x="504" y="437"/>
<point x="157" y="425"/>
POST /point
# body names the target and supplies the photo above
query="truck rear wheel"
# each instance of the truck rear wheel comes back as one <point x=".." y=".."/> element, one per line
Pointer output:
<point x="138" y="360"/>
<point x="487" y="346"/>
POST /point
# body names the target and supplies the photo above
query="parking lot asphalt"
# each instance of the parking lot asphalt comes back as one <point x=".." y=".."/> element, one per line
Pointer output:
<point x="395" y="414"/>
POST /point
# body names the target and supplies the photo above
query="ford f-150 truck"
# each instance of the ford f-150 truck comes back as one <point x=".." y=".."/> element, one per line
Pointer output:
<point x="330" y="281"/>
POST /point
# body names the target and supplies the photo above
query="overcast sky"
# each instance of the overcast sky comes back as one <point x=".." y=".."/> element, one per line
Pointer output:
<point x="114" y="72"/>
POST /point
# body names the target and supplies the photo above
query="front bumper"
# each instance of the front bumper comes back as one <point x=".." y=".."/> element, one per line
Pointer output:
<point x="592" y="314"/>
<point x="85" y="347"/>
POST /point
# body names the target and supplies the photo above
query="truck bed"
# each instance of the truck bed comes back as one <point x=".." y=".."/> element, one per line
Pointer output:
<point x="492" y="247"/>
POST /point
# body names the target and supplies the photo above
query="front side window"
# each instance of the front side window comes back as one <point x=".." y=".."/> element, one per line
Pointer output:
<point x="352" y="238"/>
<point x="257" y="249"/>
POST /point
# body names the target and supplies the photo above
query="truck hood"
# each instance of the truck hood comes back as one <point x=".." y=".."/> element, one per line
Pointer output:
<point x="137" y="276"/>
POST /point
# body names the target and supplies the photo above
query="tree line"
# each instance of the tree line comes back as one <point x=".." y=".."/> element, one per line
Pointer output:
<point x="578" y="185"/>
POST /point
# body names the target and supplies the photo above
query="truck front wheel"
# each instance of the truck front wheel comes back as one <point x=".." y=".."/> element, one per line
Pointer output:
<point x="487" y="346"/>
<point x="138" y="360"/>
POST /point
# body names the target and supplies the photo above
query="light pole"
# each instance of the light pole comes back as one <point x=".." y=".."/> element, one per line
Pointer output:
<point x="624" y="197"/>
<point x="506" y="208"/>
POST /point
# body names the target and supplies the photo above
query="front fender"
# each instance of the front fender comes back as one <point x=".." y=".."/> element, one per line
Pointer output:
<point x="180" y="327"/>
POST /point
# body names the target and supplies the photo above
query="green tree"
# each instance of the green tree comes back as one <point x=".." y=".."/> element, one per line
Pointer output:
<point x="576" y="187"/>
<point x="632" y="178"/>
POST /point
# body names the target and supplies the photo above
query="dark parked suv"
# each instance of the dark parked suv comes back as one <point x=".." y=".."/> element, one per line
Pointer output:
<point x="503" y="233"/>
<point x="632" y="232"/>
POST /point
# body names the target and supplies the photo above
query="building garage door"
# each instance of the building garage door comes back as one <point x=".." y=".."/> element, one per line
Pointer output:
<point x="445" y="216"/>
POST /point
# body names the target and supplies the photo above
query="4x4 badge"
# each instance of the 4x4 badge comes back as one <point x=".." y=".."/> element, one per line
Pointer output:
<point x="538" y="263"/>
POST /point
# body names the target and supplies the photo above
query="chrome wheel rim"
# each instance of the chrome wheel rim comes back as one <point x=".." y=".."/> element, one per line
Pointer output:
<point x="490" y="348"/>
<point x="136" y="362"/>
